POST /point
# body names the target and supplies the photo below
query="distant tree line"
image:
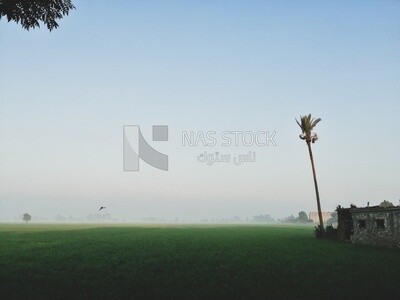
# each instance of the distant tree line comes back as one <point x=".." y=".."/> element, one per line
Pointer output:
<point x="99" y="217"/>
<point x="263" y="219"/>
<point x="302" y="218"/>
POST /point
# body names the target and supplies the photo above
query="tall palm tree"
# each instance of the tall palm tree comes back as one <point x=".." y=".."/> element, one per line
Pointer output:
<point x="307" y="124"/>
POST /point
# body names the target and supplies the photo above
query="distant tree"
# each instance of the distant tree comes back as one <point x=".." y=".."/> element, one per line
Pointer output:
<point x="98" y="217"/>
<point x="263" y="219"/>
<point x="290" y="219"/>
<point x="236" y="219"/>
<point x="26" y="217"/>
<point x="386" y="203"/>
<point x="333" y="219"/>
<point x="307" y="124"/>
<point x="303" y="218"/>
<point x="60" y="218"/>
<point x="30" y="12"/>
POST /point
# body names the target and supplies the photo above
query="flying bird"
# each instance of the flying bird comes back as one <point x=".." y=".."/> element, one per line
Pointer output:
<point x="103" y="207"/>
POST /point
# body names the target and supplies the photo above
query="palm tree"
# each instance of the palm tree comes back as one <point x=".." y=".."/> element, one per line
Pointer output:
<point x="307" y="124"/>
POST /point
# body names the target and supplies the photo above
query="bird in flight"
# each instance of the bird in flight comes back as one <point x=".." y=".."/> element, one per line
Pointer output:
<point x="103" y="207"/>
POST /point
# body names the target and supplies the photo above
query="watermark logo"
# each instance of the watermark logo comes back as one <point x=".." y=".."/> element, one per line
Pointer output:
<point x="135" y="147"/>
<point x="235" y="139"/>
<point x="228" y="138"/>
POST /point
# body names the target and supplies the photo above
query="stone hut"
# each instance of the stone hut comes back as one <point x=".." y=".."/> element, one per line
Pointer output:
<point x="373" y="225"/>
<point x="345" y="224"/>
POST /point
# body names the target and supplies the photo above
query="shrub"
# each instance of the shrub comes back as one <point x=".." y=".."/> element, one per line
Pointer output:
<point x="319" y="232"/>
<point x="330" y="232"/>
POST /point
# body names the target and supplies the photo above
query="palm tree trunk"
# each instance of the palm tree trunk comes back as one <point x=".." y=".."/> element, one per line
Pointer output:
<point x="321" y="222"/>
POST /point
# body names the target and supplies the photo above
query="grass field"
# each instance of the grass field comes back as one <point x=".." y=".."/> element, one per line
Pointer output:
<point x="201" y="262"/>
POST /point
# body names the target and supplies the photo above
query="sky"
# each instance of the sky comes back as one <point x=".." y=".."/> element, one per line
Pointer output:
<point x="200" y="66"/>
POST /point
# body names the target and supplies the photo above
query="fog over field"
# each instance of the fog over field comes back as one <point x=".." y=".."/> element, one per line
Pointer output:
<point x="66" y="95"/>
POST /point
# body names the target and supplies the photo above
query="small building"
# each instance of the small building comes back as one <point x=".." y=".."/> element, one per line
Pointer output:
<point x="373" y="225"/>
<point x="313" y="215"/>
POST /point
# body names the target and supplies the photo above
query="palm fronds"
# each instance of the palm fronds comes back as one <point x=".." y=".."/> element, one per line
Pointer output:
<point x="307" y="124"/>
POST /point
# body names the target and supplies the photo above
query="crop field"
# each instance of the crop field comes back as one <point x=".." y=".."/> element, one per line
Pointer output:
<point x="189" y="262"/>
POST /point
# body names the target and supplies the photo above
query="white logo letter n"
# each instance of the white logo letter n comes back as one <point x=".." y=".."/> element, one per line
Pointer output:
<point x="135" y="147"/>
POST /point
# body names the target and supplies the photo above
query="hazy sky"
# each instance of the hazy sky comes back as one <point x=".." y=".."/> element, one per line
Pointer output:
<point x="198" y="66"/>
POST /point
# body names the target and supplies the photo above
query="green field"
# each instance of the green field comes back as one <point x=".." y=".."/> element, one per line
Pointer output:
<point x="186" y="262"/>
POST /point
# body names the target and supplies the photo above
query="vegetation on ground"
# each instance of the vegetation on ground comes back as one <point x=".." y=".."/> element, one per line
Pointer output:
<point x="189" y="262"/>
